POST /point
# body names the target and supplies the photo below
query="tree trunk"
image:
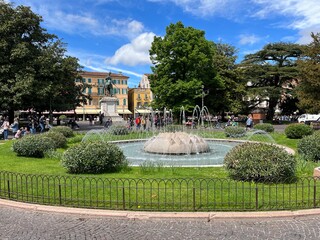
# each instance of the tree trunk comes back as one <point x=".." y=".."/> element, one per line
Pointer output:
<point x="11" y="115"/>
<point x="271" y="110"/>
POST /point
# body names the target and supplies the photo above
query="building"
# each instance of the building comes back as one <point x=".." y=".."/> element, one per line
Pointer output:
<point x="96" y="82"/>
<point x="145" y="83"/>
<point x="139" y="101"/>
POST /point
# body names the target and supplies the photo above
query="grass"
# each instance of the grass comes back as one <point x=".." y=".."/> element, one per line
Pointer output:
<point x="152" y="186"/>
<point x="50" y="165"/>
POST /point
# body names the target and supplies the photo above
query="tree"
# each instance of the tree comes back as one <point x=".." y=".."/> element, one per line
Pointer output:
<point x="270" y="73"/>
<point x="229" y="97"/>
<point x="183" y="62"/>
<point x="309" y="76"/>
<point x="32" y="63"/>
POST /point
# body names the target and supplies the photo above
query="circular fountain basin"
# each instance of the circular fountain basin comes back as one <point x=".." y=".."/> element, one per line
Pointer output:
<point x="176" y="143"/>
<point x="133" y="150"/>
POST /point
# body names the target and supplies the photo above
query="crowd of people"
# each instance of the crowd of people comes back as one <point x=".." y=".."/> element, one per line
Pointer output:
<point x="146" y="122"/>
<point x="35" y="124"/>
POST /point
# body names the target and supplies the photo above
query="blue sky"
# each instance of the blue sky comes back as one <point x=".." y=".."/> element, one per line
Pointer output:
<point x="115" y="35"/>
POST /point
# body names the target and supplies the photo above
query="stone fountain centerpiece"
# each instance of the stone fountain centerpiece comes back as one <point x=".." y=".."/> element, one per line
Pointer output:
<point x="176" y="143"/>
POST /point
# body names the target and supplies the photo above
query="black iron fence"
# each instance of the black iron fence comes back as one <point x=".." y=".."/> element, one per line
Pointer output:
<point x="160" y="194"/>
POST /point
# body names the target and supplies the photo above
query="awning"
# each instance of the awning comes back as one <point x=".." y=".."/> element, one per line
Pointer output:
<point x="87" y="111"/>
<point x="124" y="111"/>
<point x="143" y="111"/>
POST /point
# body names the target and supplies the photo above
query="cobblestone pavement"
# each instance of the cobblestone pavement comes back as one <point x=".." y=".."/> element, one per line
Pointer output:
<point x="24" y="224"/>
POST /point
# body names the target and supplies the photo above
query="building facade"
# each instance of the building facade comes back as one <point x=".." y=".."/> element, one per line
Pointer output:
<point x="139" y="101"/>
<point x="96" y="88"/>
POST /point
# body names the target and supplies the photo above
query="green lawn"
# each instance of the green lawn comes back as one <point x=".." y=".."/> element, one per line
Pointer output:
<point x="146" y="187"/>
<point x="10" y="162"/>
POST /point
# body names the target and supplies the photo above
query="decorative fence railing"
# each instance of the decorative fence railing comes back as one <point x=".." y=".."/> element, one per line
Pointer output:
<point x="160" y="194"/>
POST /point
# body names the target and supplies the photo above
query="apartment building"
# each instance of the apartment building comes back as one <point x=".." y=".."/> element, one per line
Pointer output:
<point x="96" y="82"/>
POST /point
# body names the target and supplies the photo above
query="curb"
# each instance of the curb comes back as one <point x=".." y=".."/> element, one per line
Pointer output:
<point x="208" y="216"/>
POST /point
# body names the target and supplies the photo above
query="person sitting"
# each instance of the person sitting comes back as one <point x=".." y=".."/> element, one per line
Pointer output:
<point x="73" y="124"/>
<point x="18" y="134"/>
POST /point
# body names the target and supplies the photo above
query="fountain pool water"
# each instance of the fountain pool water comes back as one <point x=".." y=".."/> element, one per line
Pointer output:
<point x="133" y="150"/>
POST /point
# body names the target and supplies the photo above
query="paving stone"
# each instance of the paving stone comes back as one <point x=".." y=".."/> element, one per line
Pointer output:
<point x="25" y="224"/>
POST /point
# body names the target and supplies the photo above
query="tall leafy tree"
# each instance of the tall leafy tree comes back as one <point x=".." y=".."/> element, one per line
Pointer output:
<point x="183" y="62"/>
<point x="309" y="76"/>
<point x="232" y="91"/>
<point x="270" y="73"/>
<point x="32" y="62"/>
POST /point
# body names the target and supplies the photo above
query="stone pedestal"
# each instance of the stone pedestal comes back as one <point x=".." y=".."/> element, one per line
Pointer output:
<point x="109" y="109"/>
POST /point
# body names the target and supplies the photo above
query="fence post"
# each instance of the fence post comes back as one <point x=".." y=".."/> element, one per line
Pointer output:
<point x="257" y="196"/>
<point x="60" y="200"/>
<point x="123" y="199"/>
<point x="314" y="193"/>
<point x="194" y="199"/>
<point x="8" y="183"/>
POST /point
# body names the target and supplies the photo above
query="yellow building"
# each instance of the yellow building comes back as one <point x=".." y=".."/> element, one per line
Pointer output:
<point x="96" y="82"/>
<point x="139" y="101"/>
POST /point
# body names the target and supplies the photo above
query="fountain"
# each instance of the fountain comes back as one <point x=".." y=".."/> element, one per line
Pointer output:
<point x="176" y="143"/>
<point x="169" y="146"/>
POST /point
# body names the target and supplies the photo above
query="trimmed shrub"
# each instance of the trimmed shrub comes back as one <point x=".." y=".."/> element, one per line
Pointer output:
<point x="309" y="147"/>
<point x="33" y="146"/>
<point x="260" y="162"/>
<point x="66" y="131"/>
<point x="75" y="139"/>
<point x="267" y="127"/>
<point x="59" y="139"/>
<point x="234" y="132"/>
<point x="119" y="130"/>
<point x="93" y="157"/>
<point x="298" y="130"/>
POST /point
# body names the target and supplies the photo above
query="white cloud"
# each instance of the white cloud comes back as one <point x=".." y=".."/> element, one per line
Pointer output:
<point x="250" y="39"/>
<point x="134" y="53"/>
<point x="305" y="13"/>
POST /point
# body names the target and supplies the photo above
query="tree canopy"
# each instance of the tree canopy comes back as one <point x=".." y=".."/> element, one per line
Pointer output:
<point x="34" y="71"/>
<point x="229" y="97"/>
<point x="271" y="73"/>
<point x="309" y="76"/>
<point x="183" y="66"/>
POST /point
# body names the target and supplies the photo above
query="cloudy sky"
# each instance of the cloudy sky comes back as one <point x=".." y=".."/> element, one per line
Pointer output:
<point x="115" y="35"/>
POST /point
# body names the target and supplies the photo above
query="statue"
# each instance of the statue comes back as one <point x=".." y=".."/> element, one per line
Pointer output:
<point x="109" y="86"/>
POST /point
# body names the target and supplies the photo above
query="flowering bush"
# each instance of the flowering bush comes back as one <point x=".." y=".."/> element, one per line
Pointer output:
<point x="234" y="132"/>
<point x="260" y="162"/>
<point x="267" y="127"/>
<point x="59" y="139"/>
<point x="298" y="130"/>
<point x="309" y="147"/>
<point x="93" y="157"/>
<point x="33" y="145"/>
<point x="66" y="131"/>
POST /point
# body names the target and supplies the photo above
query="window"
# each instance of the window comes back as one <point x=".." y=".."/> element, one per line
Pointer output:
<point x="118" y="102"/>
<point x="114" y="81"/>
<point x="84" y="80"/>
<point x="89" y="80"/>
<point x="124" y="102"/>
<point x="100" y="81"/>
<point x="89" y="90"/>
<point x="84" y="90"/>
<point x="100" y="91"/>
<point x="118" y="81"/>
